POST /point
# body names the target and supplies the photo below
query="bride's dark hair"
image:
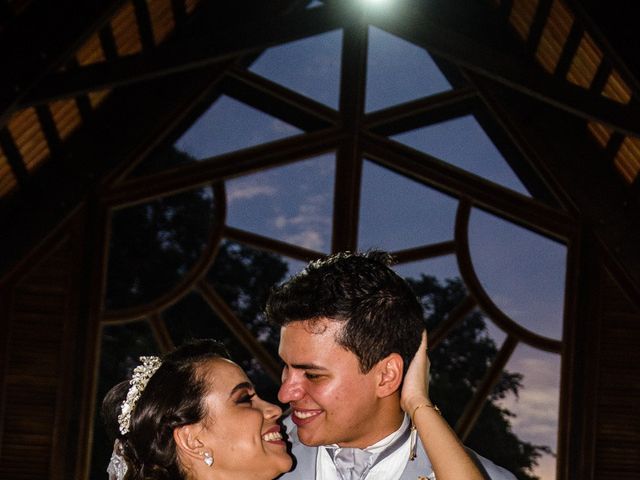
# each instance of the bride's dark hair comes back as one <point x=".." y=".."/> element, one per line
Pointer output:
<point x="172" y="398"/>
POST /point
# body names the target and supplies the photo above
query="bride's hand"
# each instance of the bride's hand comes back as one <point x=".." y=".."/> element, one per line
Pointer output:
<point x="415" y="389"/>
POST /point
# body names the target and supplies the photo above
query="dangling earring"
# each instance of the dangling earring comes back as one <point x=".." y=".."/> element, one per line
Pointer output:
<point x="208" y="459"/>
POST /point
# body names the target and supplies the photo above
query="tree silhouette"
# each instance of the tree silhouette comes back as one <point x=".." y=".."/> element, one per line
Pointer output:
<point x="153" y="245"/>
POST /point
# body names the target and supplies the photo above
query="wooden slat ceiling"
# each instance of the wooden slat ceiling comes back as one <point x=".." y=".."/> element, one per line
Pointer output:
<point x="564" y="48"/>
<point x="34" y="131"/>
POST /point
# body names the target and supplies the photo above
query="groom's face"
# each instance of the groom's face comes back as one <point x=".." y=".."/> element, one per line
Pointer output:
<point x="331" y="400"/>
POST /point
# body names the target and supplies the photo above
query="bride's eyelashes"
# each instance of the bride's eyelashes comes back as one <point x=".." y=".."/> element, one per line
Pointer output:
<point x="246" y="398"/>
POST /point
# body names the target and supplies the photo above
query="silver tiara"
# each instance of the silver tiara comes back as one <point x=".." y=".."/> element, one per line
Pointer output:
<point x="141" y="375"/>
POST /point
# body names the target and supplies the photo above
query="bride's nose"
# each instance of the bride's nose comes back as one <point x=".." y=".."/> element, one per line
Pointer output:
<point x="271" y="411"/>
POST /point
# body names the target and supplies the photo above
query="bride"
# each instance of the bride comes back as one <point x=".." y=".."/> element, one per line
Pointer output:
<point x="195" y="415"/>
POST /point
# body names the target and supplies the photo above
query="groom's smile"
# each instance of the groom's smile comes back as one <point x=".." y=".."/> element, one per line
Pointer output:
<point x="303" y="417"/>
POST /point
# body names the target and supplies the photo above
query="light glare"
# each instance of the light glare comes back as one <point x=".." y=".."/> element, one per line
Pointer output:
<point x="376" y="3"/>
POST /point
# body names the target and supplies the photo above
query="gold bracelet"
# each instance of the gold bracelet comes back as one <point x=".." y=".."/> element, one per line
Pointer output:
<point x="430" y="405"/>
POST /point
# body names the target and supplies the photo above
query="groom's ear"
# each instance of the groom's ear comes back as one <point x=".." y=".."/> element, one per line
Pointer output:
<point x="187" y="443"/>
<point x="389" y="372"/>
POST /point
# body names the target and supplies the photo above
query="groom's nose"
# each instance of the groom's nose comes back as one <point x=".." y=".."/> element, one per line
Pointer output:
<point x="291" y="390"/>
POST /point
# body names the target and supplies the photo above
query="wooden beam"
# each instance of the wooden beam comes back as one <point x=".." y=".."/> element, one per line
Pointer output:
<point x="537" y="26"/>
<point x="426" y="251"/>
<point x="239" y="330"/>
<point x="580" y="359"/>
<point x="569" y="50"/>
<point x="485" y="302"/>
<point x="161" y="333"/>
<point x="270" y="245"/>
<point x="14" y="158"/>
<point x="82" y="102"/>
<point x="194" y="51"/>
<point x="423" y="111"/>
<point x="278" y="101"/>
<point x="451" y="321"/>
<point x="47" y="34"/>
<point x="240" y="162"/>
<point x="49" y="129"/>
<point x="474" y="408"/>
<point x="346" y="194"/>
<point x="143" y="21"/>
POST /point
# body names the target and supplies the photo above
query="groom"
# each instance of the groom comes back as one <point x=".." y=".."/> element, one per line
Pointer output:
<point x="349" y="329"/>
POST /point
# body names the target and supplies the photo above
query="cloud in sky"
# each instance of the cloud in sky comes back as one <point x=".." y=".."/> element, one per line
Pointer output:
<point x="537" y="407"/>
<point x="309" y="238"/>
<point x="249" y="190"/>
<point x="308" y="226"/>
<point x="292" y="203"/>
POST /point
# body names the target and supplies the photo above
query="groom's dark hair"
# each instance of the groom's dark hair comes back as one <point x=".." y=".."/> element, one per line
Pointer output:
<point x="379" y="311"/>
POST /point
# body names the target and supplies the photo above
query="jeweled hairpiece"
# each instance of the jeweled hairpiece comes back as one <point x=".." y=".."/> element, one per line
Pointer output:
<point x="141" y="375"/>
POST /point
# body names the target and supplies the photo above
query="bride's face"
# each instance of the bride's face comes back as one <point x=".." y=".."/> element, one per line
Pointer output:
<point x="240" y="428"/>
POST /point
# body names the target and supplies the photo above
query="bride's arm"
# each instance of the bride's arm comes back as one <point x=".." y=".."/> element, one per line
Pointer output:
<point x="448" y="457"/>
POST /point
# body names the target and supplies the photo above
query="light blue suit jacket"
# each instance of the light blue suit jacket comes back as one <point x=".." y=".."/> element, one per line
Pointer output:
<point x="305" y="461"/>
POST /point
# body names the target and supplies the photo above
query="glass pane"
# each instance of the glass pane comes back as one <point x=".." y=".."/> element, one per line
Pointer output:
<point x="154" y="245"/>
<point x="442" y="268"/>
<point x="399" y="71"/>
<point x="230" y="125"/>
<point x="522" y="272"/>
<point x="536" y="408"/>
<point x="462" y="142"/>
<point x="161" y="159"/>
<point x="310" y="66"/>
<point x="295" y="267"/>
<point x="398" y="213"/>
<point x="293" y="204"/>
<point x="121" y="347"/>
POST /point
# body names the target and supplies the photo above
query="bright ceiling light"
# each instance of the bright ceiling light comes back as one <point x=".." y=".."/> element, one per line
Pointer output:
<point x="378" y="3"/>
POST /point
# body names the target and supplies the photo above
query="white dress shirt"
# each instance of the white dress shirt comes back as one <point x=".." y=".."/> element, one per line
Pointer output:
<point x="389" y="468"/>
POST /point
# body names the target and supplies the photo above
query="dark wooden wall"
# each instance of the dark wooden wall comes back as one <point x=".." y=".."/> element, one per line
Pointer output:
<point x="616" y="416"/>
<point x="41" y="332"/>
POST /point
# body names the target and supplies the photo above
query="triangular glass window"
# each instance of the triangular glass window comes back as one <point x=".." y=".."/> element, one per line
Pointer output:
<point x="522" y="272"/>
<point x="397" y="212"/>
<point x="293" y="204"/>
<point x="310" y="66"/>
<point x="463" y="143"/>
<point x="230" y="125"/>
<point x="399" y="71"/>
